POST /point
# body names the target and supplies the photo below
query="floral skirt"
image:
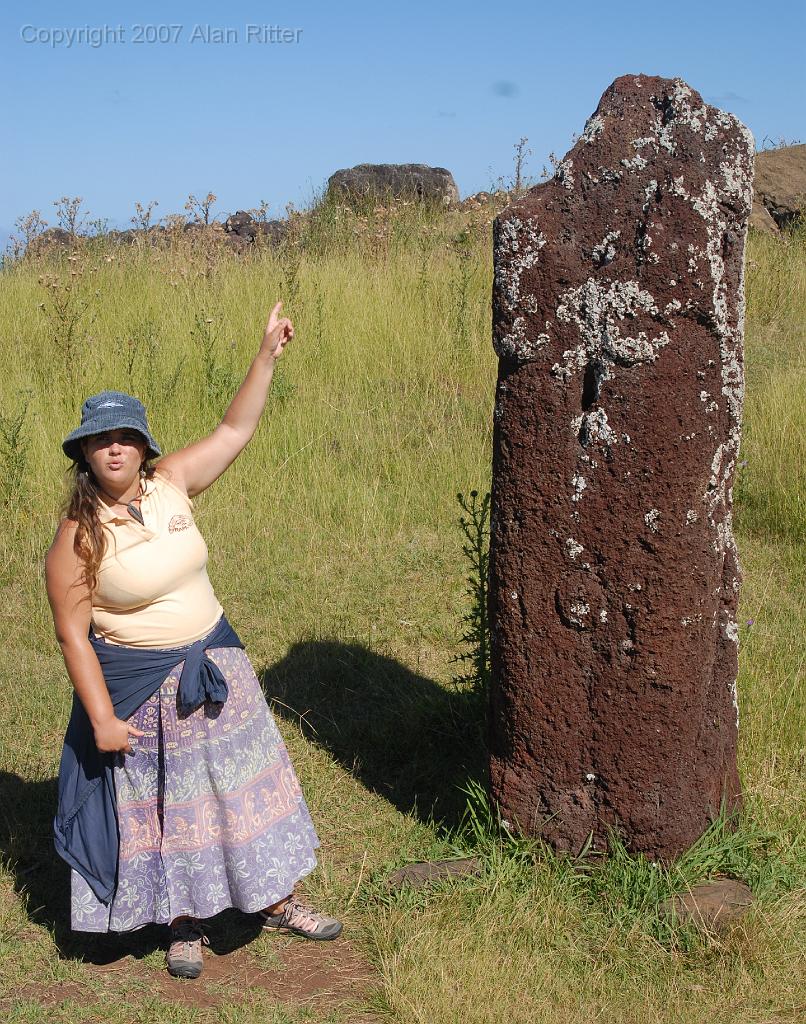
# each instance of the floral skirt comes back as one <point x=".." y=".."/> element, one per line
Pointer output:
<point x="210" y="811"/>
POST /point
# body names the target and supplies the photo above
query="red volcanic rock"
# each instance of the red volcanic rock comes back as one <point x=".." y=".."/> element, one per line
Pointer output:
<point x="618" y="320"/>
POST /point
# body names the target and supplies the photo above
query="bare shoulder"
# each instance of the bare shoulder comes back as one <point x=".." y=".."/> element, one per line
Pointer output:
<point x="62" y="554"/>
<point x="65" y="532"/>
<point x="67" y="589"/>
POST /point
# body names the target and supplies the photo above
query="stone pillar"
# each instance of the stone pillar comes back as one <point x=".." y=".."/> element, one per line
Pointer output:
<point x="618" y="319"/>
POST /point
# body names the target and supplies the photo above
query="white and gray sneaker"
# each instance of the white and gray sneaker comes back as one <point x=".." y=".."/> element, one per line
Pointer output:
<point x="299" y="918"/>
<point x="185" y="951"/>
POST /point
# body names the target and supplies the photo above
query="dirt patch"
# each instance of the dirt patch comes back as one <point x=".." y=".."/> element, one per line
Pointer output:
<point x="313" y="973"/>
<point x="56" y="993"/>
<point x="319" y="975"/>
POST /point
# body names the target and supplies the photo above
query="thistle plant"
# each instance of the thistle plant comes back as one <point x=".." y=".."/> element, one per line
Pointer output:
<point x="461" y="287"/>
<point x="521" y="153"/>
<point x="201" y="207"/>
<point x="13" y="451"/>
<point x="142" y="215"/>
<point x="65" y="308"/>
<point x="219" y="380"/>
<point x="68" y="213"/>
<point x="476" y="636"/>
<point x="30" y="227"/>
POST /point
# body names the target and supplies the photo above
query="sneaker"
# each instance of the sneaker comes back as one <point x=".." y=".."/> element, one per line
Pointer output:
<point x="185" y="951"/>
<point x="299" y="918"/>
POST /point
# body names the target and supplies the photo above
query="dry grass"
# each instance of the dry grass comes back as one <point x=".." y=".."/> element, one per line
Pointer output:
<point x="336" y="551"/>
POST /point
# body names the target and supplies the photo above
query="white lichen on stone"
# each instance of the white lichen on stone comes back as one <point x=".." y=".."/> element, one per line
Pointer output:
<point x="602" y="615"/>
<point x="651" y="519"/>
<point x="716" y="204"/>
<point x="597" y="309"/>
<point x="605" y="251"/>
<point x="636" y="163"/>
<point x="574" y="548"/>
<point x="578" y="484"/>
<point x="608" y="174"/>
<point x="691" y="517"/>
<point x="590" y="777"/>
<point x="734" y="700"/>
<point x="593" y="429"/>
<point x="563" y="174"/>
<point x="579" y="610"/>
<point x="518" y="247"/>
<point x="594" y="127"/>
<point x="732" y="631"/>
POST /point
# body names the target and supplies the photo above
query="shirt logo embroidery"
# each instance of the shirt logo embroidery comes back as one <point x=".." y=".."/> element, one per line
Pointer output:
<point x="179" y="523"/>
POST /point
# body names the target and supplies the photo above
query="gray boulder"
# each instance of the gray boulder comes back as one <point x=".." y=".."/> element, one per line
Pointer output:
<point x="243" y="226"/>
<point x="396" y="181"/>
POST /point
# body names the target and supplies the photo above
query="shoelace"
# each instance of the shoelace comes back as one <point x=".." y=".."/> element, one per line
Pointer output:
<point x="298" y="914"/>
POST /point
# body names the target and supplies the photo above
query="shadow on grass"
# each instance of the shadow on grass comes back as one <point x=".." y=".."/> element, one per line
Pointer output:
<point x="42" y="879"/>
<point x="401" y="734"/>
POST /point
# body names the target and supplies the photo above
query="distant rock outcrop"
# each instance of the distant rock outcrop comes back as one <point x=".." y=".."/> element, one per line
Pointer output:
<point x="49" y="240"/>
<point x="242" y="227"/>
<point x="398" y="181"/>
<point x="779" y="197"/>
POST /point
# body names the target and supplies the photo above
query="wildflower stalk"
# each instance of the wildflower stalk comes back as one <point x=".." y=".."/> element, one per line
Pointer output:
<point x="476" y="635"/>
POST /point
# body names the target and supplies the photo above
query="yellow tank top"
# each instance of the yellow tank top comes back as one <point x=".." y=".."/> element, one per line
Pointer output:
<point x="153" y="589"/>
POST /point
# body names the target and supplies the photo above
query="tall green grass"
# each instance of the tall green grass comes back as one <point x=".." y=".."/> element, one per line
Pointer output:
<point x="336" y="548"/>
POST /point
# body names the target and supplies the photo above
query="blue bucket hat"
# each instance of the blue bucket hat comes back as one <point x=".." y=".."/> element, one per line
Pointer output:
<point x="109" y="410"/>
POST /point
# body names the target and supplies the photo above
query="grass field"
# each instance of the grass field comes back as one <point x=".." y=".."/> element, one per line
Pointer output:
<point x="336" y="551"/>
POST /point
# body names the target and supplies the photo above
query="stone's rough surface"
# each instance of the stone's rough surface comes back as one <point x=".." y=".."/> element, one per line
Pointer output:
<point x="399" y="181"/>
<point x="779" y="198"/>
<point x="714" y="905"/>
<point x="618" y="318"/>
<point x="427" y="872"/>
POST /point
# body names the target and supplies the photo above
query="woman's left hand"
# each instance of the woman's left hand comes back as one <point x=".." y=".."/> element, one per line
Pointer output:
<point x="279" y="331"/>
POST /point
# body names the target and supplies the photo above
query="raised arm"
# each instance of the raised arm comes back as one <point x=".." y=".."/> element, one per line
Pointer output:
<point x="195" y="467"/>
<point x="70" y="603"/>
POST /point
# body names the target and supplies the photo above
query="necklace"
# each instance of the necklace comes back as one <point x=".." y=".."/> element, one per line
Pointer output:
<point x="131" y="508"/>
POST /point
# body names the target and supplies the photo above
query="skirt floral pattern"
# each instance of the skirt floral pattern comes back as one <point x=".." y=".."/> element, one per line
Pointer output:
<point x="210" y="811"/>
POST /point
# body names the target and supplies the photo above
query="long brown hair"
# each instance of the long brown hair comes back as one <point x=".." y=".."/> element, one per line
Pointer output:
<point x="81" y="506"/>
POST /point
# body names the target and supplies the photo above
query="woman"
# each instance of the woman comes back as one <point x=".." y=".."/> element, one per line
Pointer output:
<point x="176" y="795"/>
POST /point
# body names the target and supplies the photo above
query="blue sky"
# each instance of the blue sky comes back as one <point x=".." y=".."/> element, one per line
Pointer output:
<point x="251" y="118"/>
